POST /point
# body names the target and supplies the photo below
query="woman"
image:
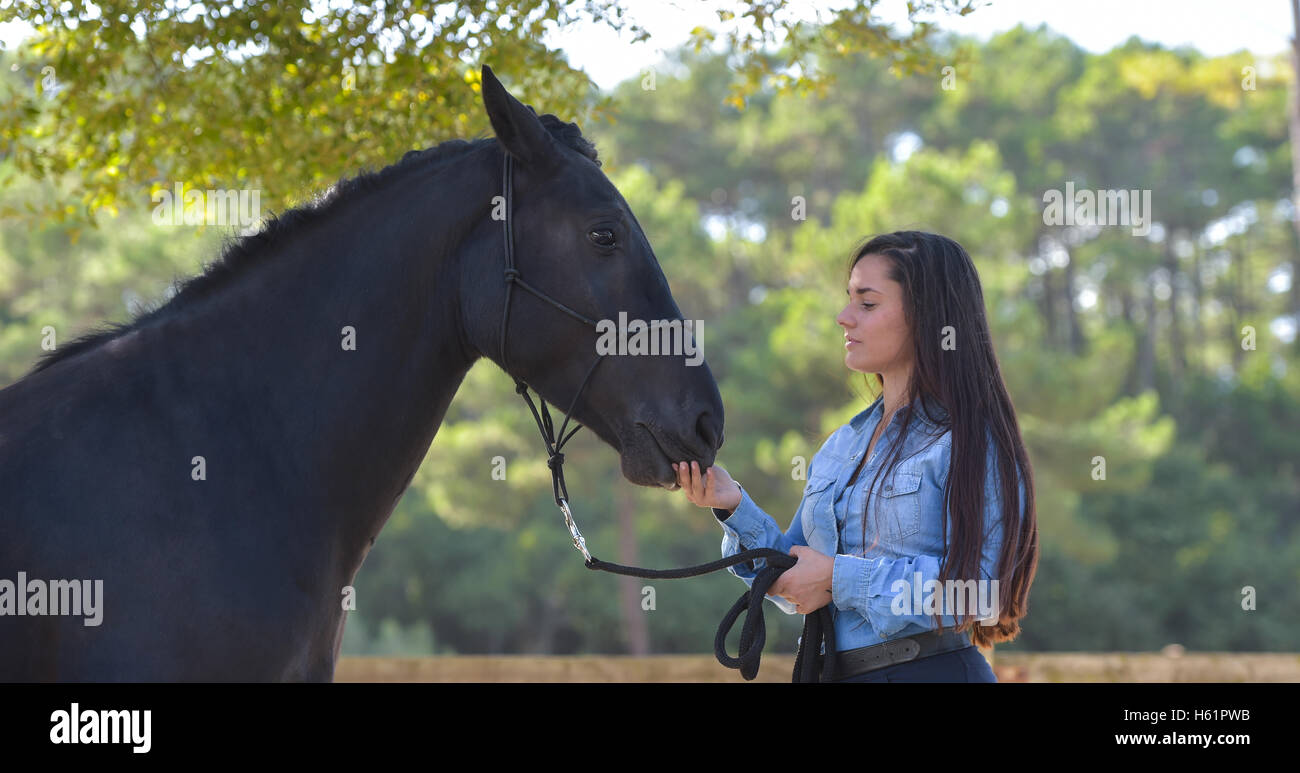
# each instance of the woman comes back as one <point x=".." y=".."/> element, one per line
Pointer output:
<point x="938" y="452"/>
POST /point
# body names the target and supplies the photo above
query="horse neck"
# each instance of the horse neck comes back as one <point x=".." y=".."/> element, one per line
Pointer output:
<point x="349" y="426"/>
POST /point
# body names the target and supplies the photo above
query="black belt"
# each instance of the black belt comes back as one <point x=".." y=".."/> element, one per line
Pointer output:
<point x="863" y="659"/>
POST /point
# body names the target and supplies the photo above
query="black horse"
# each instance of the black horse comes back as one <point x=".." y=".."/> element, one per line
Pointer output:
<point x="310" y="368"/>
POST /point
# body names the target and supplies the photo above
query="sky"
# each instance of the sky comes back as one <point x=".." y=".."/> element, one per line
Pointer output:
<point x="1213" y="26"/>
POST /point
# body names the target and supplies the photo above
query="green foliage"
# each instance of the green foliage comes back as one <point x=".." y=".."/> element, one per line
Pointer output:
<point x="287" y="96"/>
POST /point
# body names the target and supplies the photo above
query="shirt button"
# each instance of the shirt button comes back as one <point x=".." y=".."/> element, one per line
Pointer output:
<point x="890" y="487"/>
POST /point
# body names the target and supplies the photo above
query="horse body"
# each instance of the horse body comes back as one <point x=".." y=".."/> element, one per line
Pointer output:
<point x="98" y="460"/>
<point x="306" y="445"/>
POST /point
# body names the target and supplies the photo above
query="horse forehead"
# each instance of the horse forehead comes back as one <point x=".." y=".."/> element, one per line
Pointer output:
<point x="583" y="191"/>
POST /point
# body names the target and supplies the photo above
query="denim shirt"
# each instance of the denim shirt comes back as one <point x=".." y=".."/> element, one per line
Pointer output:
<point x="908" y="511"/>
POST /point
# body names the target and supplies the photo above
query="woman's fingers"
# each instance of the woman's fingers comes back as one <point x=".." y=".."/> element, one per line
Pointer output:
<point x="684" y="480"/>
<point x="700" y="486"/>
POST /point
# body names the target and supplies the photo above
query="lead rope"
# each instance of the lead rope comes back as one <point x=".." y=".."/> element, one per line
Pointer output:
<point x="818" y="628"/>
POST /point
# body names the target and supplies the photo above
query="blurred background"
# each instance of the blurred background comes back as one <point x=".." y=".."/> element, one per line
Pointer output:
<point x="757" y="143"/>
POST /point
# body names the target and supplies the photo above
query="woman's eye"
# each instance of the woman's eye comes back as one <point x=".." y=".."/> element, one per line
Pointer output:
<point x="603" y="237"/>
<point x="868" y="305"/>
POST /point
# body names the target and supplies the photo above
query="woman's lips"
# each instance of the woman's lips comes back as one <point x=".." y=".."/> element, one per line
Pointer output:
<point x="849" y="343"/>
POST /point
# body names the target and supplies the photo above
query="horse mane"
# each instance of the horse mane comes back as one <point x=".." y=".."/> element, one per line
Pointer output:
<point x="238" y="253"/>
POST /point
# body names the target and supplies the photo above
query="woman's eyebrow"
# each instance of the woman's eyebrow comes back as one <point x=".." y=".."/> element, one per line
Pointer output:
<point x="863" y="290"/>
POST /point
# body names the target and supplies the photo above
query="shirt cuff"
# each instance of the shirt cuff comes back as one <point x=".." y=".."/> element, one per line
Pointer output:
<point x="747" y="521"/>
<point x="723" y="515"/>
<point x="850" y="580"/>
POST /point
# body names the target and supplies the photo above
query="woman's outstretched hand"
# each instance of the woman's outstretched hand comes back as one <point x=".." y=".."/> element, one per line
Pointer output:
<point x="713" y="488"/>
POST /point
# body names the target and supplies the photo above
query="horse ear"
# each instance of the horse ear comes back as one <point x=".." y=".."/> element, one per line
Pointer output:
<point x="517" y="126"/>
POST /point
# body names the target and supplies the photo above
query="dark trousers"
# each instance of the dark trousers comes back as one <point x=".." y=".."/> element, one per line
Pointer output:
<point x="963" y="665"/>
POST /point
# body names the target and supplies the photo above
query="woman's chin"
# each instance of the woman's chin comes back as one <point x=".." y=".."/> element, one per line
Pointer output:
<point x="853" y="363"/>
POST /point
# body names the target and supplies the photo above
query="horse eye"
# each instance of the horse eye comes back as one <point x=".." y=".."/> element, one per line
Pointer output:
<point x="603" y="237"/>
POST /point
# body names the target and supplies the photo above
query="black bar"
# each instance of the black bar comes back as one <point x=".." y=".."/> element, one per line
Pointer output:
<point x="1020" y="723"/>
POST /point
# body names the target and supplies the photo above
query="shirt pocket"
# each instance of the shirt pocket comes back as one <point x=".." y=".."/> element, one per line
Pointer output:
<point x="900" y="505"/>
<point x="814" y="500"/>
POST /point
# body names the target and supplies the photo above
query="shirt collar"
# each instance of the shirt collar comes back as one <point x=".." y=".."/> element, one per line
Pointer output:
<point x="937" y="414"/>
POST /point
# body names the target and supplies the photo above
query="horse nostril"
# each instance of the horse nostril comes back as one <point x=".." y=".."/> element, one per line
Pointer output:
<point x="709" y="429"/>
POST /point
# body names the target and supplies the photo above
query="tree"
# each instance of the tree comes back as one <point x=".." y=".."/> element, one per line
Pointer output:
<point x="130" y="96"/>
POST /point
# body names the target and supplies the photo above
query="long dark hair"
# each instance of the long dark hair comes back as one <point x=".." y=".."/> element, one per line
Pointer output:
<point x="942" y="298"/>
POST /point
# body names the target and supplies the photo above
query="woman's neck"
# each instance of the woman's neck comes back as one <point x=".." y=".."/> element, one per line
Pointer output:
<point x="895" y="393"/>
